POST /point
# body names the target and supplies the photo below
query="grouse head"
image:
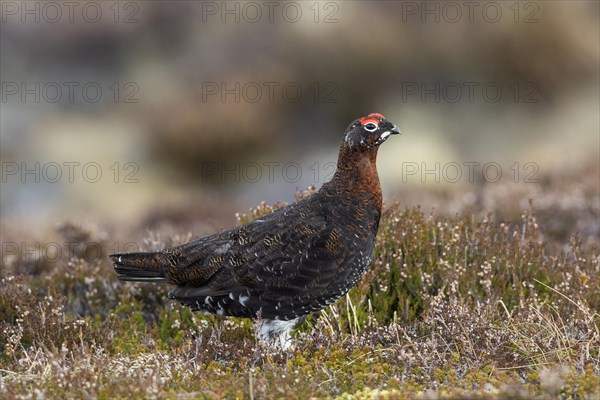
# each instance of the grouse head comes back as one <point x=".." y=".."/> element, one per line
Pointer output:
<point x="367" y="133"/>
<point x="356" y="171"/>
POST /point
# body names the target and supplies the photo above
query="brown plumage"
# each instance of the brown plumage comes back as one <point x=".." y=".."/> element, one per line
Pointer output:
<point x="286" y="264"/>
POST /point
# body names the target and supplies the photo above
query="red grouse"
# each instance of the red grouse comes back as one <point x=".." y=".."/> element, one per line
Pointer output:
<point x="286" y="264"/>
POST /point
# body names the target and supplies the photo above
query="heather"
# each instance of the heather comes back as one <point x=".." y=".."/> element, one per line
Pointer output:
<point x="469" y="304"/>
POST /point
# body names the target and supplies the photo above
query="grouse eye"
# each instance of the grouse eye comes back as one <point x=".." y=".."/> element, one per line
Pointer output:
<point x="371" y="127"/>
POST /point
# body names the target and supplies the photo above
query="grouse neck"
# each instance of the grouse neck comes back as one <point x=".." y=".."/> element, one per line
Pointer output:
<point x="356" y="174"/>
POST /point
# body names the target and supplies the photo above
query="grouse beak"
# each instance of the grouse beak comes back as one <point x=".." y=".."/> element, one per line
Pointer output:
<point x="394" y="131"/>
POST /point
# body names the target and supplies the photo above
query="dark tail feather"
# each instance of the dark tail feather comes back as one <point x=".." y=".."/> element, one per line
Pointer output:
<point x="140" y="267"/>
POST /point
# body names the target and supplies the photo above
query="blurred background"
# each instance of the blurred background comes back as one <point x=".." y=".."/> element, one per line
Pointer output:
<point x="172" y="116"/>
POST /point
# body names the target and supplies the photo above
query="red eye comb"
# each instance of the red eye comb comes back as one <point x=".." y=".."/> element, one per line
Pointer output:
<point x="366" y="120"/>
<point x="373" y="117"/>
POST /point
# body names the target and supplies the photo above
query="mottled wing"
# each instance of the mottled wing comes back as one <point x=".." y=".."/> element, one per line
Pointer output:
<point x="279" y="266"/>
